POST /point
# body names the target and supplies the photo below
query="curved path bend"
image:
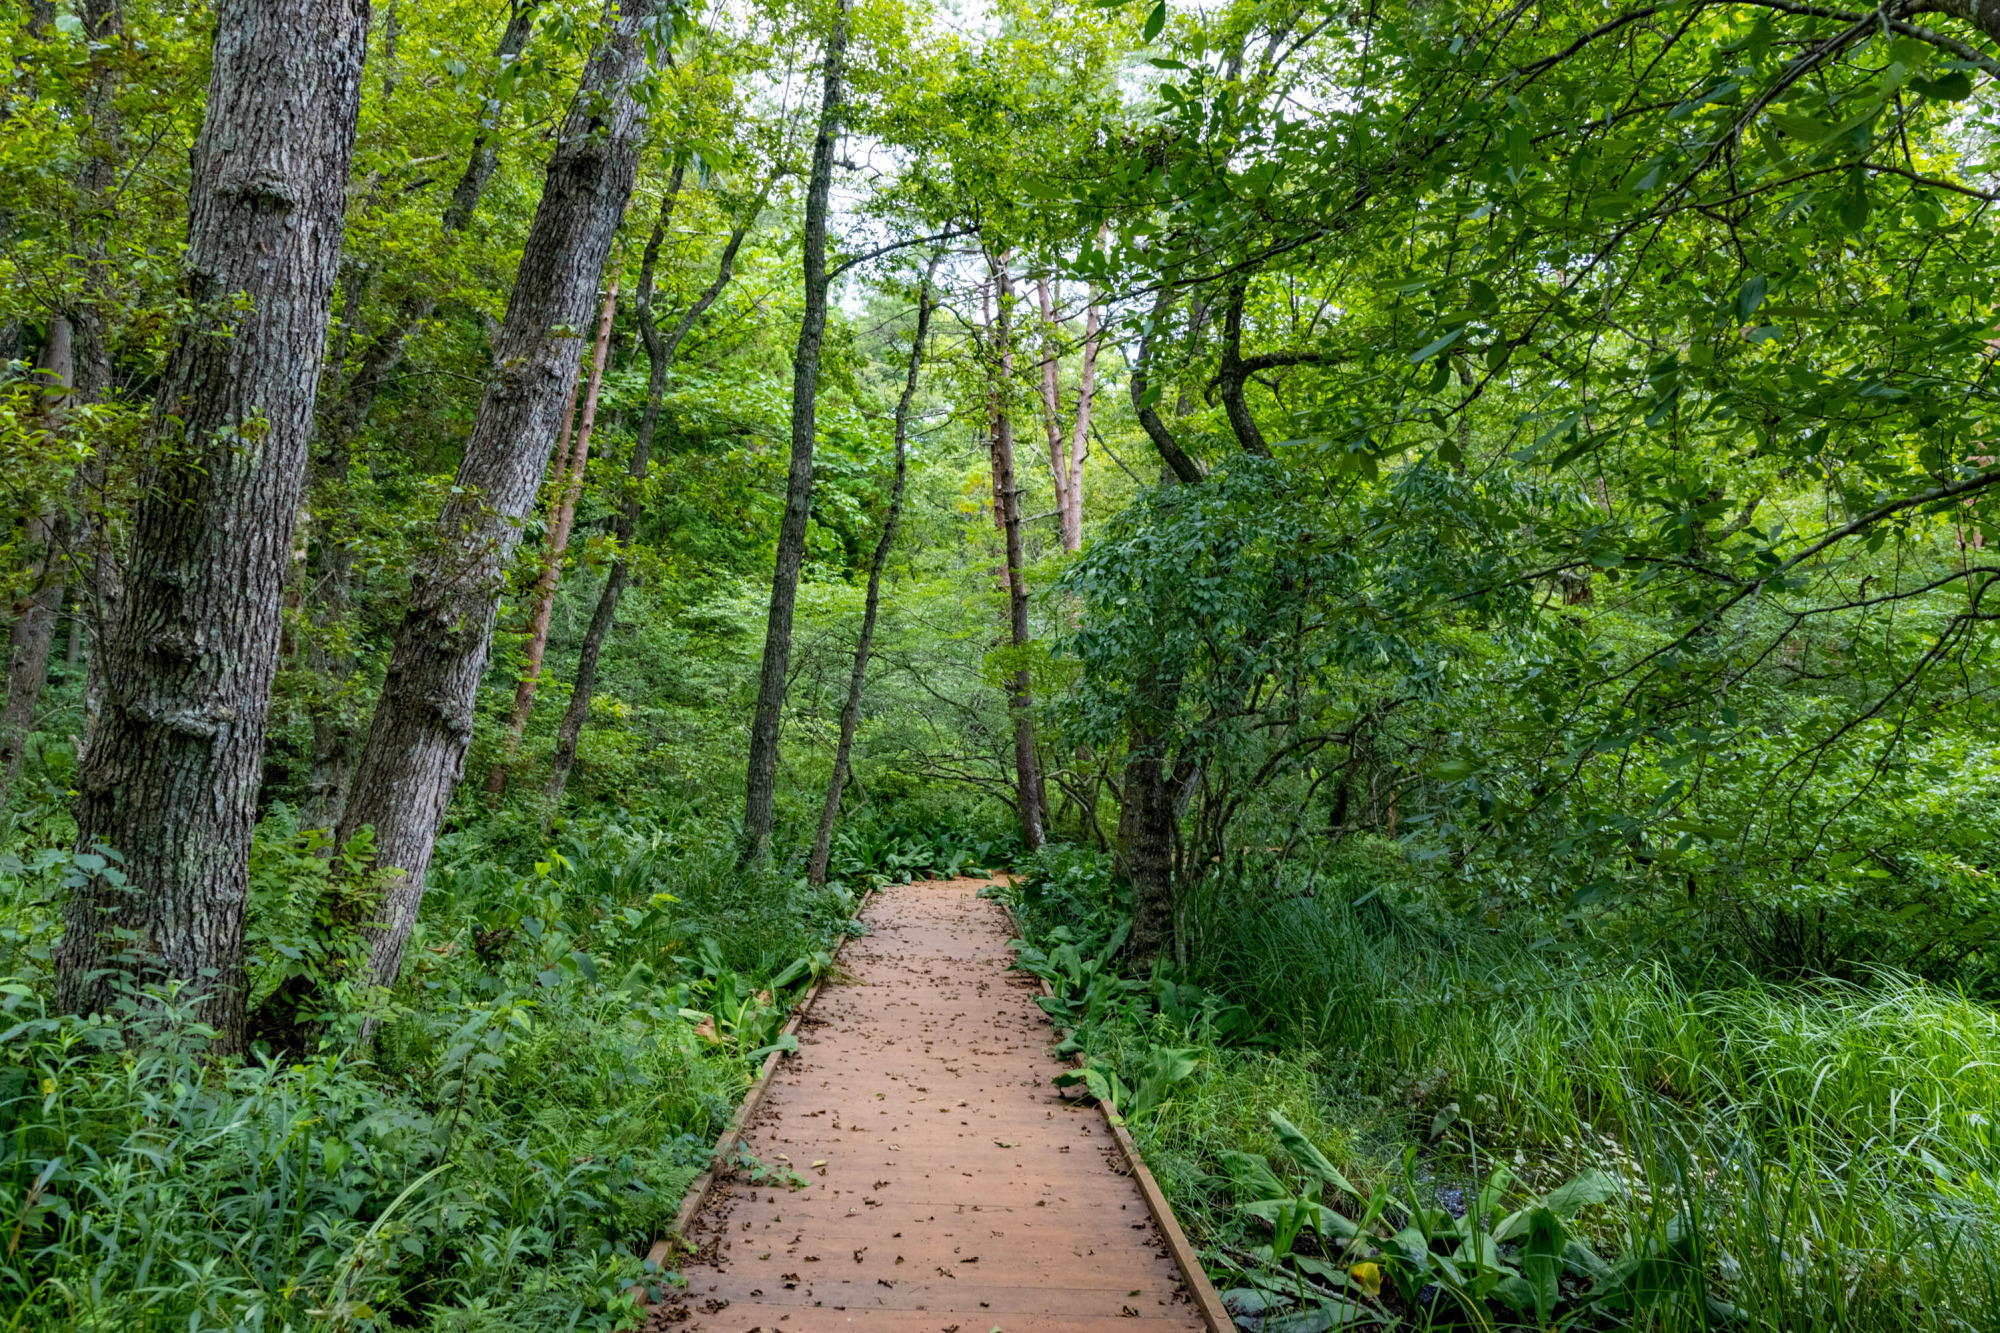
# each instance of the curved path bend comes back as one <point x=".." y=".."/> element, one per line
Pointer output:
<point x="950" y="1190"/>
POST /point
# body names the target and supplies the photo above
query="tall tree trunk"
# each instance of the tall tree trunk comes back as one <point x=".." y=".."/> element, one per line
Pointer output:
<point x="1065" y="476"/>
<point x="94" y="559"/>
<point x="850" y="716"/>
<point x="660" y="352"/>
<point x="1007" y="499"/>
<point x="569" y="488"/>
<point x="761" y="784"/>
<point x="170" y="778"/>
<point x="1079" y="440"/>
<point x="335" y="719"/>
<point x="34" y="629"/>
<point x="415" y="752"/>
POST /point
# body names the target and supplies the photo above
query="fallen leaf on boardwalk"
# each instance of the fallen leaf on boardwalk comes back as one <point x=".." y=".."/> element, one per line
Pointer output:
<point x="1003" y="1145"/>
<point x="858" y="1253"/>
<point x="820" y="1166"/>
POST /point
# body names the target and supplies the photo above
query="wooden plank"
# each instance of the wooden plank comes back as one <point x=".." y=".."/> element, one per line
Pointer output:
<point x="1206" y="1299"/>
<point x="732" y="1134"/>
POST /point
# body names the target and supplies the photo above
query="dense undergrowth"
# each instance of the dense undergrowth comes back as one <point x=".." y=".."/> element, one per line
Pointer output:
<point x="1717" y="1150"/>
<point x="575" y="1029"/>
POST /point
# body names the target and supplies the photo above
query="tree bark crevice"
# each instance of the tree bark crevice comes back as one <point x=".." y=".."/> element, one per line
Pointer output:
<point x="196" y="635"/>
<point x="415" y="752"/>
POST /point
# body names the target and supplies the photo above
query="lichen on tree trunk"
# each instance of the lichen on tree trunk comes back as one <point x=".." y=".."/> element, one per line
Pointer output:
<point x="416" y="747"/>
<point x="169" y="779"/>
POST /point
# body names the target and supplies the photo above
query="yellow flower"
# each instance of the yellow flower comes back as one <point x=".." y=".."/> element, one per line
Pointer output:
<point x="48" y="1087"/>
<point x="1368" y="1277"/>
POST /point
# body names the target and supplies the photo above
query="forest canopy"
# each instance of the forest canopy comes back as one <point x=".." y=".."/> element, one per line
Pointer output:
<point x="1442" y="545"/>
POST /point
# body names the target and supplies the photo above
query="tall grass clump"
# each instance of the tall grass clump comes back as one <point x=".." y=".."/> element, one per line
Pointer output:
<point x="1832" y="1143"/>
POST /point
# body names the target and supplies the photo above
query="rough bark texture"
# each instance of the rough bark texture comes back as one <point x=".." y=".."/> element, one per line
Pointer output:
<point x="569" y="488"/>
<point x="170" y="777"/>
<point x="34" y="629"/>
<point x="336" y="723"/>
<point x="1981" y="14"/>
<point x="850" y="715"/>
<point x="761" y="784"/>
<point x="1145" y="841"/>
<point x="1007" y="500"/>
<point x="660" y="352"/>
<point x="415" y="752"/>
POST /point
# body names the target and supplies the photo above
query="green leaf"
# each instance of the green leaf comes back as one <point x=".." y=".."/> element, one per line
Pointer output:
<point x="1852" y="205"/>
<point x="1425" y="353"/>
<point x="1309" y="1157"/>
<point x="1749" y="296"/>
<point x="1251" y="1176"/>
<point x="1954" y="86"/>
<point x="788" y="1043"/>
<point x="1155" y="22"/>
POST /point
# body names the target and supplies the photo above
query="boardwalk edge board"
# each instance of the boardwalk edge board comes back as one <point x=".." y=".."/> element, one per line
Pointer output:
<point x="1203" y="1292"/>
<point x="700" y="1187"/>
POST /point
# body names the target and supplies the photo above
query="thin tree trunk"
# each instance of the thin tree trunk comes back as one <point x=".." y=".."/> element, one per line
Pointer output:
<point x="335" y="720"/>
<point x="569" y="486"/>
<point x="1060" y="471"/>
<point x="1231" y="377"/>
<point x="1007" y="498"/>
<point x="415" y="752"/>
<point x="660" y="354"/>
<point x="1079" y="440"/>
<point x="94" y="558"/>
<point x="34" y="629"/>
<point x="170" y="777"/>
<point x="850" y="716"/>
<point x="761" y="781"/>
<point x="1145" y="399"/>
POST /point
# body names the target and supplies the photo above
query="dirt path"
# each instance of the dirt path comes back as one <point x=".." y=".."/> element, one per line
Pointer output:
<point x="959" y="1194"/>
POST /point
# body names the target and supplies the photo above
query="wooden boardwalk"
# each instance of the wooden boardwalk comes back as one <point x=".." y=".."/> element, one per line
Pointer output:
<point x="950" y="1189"/>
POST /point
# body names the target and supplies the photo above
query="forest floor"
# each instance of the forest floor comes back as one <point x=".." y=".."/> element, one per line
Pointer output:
<point x="937" y="1179"/>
